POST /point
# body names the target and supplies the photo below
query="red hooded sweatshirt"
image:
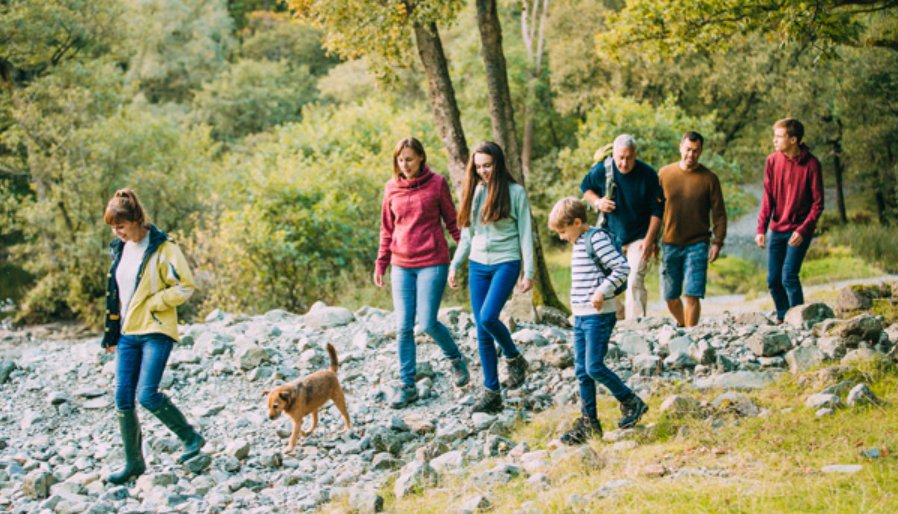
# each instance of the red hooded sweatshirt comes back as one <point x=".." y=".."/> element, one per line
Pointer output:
<point x="793" y="193"/>
<point x="411" y="222"/>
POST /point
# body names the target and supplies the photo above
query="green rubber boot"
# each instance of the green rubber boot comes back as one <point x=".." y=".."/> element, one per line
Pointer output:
<point x="129" y="428"/>
<point x="171" y="417"/>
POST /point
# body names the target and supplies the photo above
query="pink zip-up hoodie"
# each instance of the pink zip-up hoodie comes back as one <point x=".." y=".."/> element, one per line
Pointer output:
<point x="411" y="222"/>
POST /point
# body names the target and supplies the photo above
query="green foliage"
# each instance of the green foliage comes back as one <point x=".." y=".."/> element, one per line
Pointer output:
<point x="276" y="37"/>
<point x="681" y="27"/>
<point x="251" y="96"/>
<point x="176" y="45"/>
<point x="874" y="243"/>
<point x="306" y="212"/>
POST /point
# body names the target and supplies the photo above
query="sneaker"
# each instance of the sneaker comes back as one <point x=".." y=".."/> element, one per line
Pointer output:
<point x="460" y="371"/>
<point x="517" y="371"/>
<point x="583" y="429"/>
<point x="490" y="402"/>
<point x="632" y="410"/>
<point x="406" y="395"/>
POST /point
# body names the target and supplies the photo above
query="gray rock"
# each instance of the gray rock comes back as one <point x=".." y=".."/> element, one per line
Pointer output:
<point x="6" y="369"/>
<point x="804" y="358"/>
<point x="679" y="361"/>
<point x="679" y="344"/>
<point x="559" y="356"/>
<point x="414" y="476"/>
<point x="530" y="337"/>
<point x="736" y="403"/>
<point x="498" y="475"/>
<point x="860" y="355"/>
<point x="859" y="328"/>
<point x="676" y="406"/>
<point x="833" y="347"/>
<point x="768" y="342"/>
<point x="634" y="344"/>
<point x="476" y="503"/>
<point x="744" y="380"/>
<point x="37" y="484"/>
<point x="323" y="317"/>
<point x="819" y="400"/>
<point x="861" y="395"/>
<point x="647" y="365"/>
<point x="385" y="460"/>
<point x="238" y="448"/>
<point x="449" y="461"/>
<point x="852" y="299"/>
<point x="752" y="318"/>
<point x="552" y="316"/>
<point x="703" y="353"/>
<point x="808" y="315"/>
<point x="251" y="356"/>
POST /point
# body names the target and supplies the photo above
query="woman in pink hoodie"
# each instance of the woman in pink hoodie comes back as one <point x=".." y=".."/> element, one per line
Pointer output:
<point x="417" y="203"/>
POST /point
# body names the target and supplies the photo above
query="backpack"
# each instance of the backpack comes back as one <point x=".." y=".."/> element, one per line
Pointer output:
<point x="591" y="253"/>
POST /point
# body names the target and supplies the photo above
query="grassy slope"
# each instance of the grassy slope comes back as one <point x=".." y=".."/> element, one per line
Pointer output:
<point x="770" y="464"/>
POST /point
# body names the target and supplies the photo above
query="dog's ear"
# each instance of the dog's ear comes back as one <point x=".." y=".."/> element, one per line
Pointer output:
<point x="286" y="395"/>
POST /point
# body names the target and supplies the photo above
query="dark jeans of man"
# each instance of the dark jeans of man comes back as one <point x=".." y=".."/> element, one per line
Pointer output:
<point x="783" y="266"/>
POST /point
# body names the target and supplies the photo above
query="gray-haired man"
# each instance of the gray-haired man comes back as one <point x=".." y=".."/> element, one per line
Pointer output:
<point x="633" y="211"/>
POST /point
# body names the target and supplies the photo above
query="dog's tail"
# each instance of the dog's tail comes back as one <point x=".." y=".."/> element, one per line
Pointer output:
<point x="332" y="352"/>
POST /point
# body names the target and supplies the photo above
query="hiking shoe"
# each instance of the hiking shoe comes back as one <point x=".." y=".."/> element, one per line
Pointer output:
<point x="517" y="371"/>
<point x="406" y="395"/>
<point x="632" y="410"/>
<point x="583" y="429"/>
<point x="490" y="402"/>
<point x="460" y="371"/>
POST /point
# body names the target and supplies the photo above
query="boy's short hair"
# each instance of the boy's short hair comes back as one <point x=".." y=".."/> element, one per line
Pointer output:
<point x="566" y="211"/>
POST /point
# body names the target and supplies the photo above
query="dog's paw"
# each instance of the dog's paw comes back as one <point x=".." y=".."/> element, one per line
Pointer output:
<point x="289" y="449"/>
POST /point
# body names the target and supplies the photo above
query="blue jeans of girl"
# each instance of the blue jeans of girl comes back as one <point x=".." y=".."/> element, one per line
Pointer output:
<point x="418" y="292"/>
<point x="490" y="288"/>
<point x="140" y="362"/>
<point x="591" y="335"/>
<point x="783" y="267"/>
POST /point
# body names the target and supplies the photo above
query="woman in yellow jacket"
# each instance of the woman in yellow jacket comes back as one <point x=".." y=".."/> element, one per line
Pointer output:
<point x="148" y="279"/>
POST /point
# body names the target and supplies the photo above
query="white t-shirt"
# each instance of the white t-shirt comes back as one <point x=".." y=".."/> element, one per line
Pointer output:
<point x="126" y="273"/>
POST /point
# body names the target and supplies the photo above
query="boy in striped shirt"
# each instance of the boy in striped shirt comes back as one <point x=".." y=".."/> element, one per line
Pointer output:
<point x="595" y="276"/>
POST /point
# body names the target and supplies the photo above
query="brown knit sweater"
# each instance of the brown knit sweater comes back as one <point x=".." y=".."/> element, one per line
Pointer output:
<point x="694" y="200"/>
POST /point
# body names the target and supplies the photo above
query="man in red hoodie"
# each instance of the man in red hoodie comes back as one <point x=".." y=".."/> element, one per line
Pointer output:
<point x="791" y="206"/>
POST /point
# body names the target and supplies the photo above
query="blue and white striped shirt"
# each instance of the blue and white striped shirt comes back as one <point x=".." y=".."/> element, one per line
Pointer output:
<point x="587" y="276"/>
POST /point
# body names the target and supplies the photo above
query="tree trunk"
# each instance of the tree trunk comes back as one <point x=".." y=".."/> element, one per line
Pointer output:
<point x="442" y="100"/>
<point x="839" y="169"/>
<point x="502" y="116"/>
<point x="530" y="30"/>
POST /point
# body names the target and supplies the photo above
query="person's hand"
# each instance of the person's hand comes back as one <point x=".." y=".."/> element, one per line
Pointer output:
<point x="524" y="285"/>
<point x="605" y="204"/>
<point x="451" y="280"/>
<point x="795" y="239"/>
<point x="378" y="279"/>
<point x="713" y="252"/>
<point x="759" y="240"/>
<point x="649" y="249"/>
<point x="110" y="349"/>
<point x="598" y="300"/>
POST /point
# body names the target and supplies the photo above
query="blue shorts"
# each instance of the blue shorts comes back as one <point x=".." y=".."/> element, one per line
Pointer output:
<point x="684" y="263"/>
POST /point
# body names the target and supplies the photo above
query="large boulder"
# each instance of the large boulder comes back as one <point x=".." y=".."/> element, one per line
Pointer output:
<point x="862" y="327"/>
<point x="853" y="298"/>
<point x="808" y="315"/>
<point x="804" y="358"/>
<point x="634" y="344"/>
<point x="769" y="342"/>
<point x="322" y="316"/>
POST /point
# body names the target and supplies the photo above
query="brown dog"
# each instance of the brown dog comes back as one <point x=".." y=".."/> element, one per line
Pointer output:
<point x="307" y="395"/>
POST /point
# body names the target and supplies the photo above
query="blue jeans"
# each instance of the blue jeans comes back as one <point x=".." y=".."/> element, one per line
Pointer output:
<point x="418" y="291"/>
<point x="681" y="264"/>
<point x="591" y="335"/>
<point x="140" y="362"/>
<point x="783" y="266"/>
<point x="490" y="288"/>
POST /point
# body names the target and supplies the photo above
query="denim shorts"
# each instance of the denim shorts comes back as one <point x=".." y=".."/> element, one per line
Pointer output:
<point x="687" y="264"/>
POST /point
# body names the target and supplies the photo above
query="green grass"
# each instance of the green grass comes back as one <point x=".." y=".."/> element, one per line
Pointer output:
<point x="872" y="242"/>
<point x="771" y="463"/>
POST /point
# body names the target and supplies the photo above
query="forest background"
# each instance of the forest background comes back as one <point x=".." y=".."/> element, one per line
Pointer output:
<point x="259" y="132"/>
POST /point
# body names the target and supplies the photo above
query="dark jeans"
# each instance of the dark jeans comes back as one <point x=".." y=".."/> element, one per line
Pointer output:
<point x="490" y="288"/>
<point x="591" y="335"/>
<point x="417" y="292"/>
<point x="783" y="266"/>
<point x="140" y="362"/>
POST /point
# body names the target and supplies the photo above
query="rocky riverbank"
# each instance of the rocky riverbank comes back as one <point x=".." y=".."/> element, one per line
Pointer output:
<point x="58" y="435"/>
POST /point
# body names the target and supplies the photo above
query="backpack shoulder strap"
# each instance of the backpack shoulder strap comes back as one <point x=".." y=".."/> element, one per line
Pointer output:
<point x="609" y="173"/>
<point x="590" y="250"/>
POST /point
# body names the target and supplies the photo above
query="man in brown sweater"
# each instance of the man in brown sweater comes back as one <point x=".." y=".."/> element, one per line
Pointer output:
<point x="694" y="202"/>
